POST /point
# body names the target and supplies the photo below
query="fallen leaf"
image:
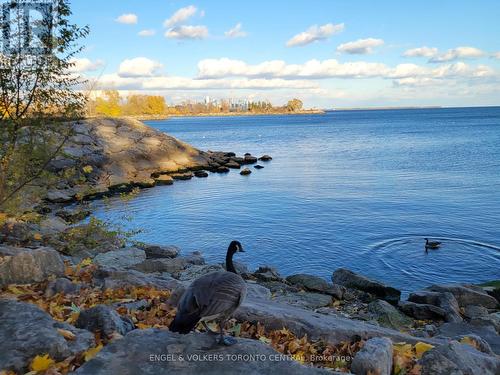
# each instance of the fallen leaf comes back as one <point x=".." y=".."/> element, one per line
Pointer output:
<point x="41" y="363"/>
<point x="92" y="352"/>
<point x="86" y="262"/>
<point x="68" y="335"/>
<point x="421" y="348"/>
<point x="469" y="341"/>
<point x="37" y="237"/>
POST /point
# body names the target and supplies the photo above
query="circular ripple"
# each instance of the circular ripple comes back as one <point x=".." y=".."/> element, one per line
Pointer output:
<point x="404" y="263"/>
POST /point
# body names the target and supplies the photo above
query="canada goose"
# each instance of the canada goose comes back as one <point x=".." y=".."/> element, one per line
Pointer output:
<point x="214" y="296"/>
<point x="431" y="244"/>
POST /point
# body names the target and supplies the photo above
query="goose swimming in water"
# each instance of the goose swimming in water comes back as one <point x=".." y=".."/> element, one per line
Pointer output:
<point x="431" y="244"/>
<point x="214" y="296"/>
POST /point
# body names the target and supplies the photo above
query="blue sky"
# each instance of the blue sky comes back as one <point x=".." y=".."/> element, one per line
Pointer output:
<point x="336" y="53"/>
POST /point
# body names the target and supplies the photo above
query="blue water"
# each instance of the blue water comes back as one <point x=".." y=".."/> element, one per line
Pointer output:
<point x="355" y="189"/>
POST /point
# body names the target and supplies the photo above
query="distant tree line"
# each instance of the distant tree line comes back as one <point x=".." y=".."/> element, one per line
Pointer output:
<point x="111" y="104"/>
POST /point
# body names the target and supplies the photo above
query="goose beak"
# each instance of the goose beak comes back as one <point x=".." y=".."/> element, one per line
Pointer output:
<point x="241" y="250"/>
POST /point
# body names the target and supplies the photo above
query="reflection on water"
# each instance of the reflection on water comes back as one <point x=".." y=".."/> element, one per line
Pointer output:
<point x="357" y="189"/>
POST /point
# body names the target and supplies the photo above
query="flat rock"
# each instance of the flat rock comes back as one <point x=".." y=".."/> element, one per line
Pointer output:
<point x="22" y="266"/>
<point x="110" y="278"/>
<point x="266" y="273"/>
<point x="305" y="299"/>
<point x="265" y="158"/>
<point x="164" y="179"/>
<point x="475" y="311"/>
<point x="255" y="290"/>
<point x="60" y="196"/>
<point x="489" y="320"/>
<point x="121" y="258"/>
<point x="459" y="359"/>
<point x="317" y="284"/>
<point x="26" y="331"/>
<point x="200" y="174"/>
<point x="458" y="329"/>
<point x="154" y="251"/>
<point x="466" y="295"/>
<point x="104" y="319"/>
<point x="170" y="265"/>
<point x="61" y="285"/>
<point x="374" y="358"/>
<point x="350" y="279"/>
<point x="387" y="315"/>
<point x="154" y="351"/>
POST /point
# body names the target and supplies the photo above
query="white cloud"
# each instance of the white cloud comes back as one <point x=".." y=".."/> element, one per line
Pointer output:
<point x="139" y="67"/>
<point x="235" y="32"/>
<point x="180" y="16"/>
<point x="147" y="32"/>
<point x="315" y="33"/>
<point x="128" y="19"/>
<point x="81" y="65"/>
<point x="360" y="46"/>
<point x="187" y="32"/>
<point x="458" y="53"/>
<point x="496" y="55"/>
<point x="421" y="52"/>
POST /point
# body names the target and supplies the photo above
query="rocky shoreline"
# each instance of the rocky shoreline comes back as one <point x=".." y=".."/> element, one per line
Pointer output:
<point x="79" y="298"/>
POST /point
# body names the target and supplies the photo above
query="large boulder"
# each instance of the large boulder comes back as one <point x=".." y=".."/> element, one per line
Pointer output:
<point x="154" y="251"/>
<point x="121" y="258"/>
<point x="459" y="359"/>
<point x="154" y="351"/>
<point x="374" y="358"/>
<point x="104" y="319"/>
<point x="26" y="331"/>
<point x="487" y="333"/>
<point x="387" y="315"/>
<point x="170" y="265"/>
<point x="444" y="300"/>
<point x="110" y="278"/>
<point x="467" y="295"/>
<point x="353" y="280"/>
<point x="267" y="273"/>
<point x="22" y="266"/>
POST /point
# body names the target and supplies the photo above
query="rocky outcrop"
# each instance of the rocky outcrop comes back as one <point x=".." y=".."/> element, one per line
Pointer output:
<point x="374" y="358"/>
<point x="422" y="311"/>
<point x="444" y="300"/>
<point x="387" y="315"/>
<point x="26" y="331"/>
<point x="353" y="280"/>
<point x="121" y="258"/>
<point x="158" y="251"/>
<point x="316" y="284"/>
<point x="154" y="351"/>
<point x="110" y="278"/>
<point x="22" y="265"/>
<point x="456" y="358"/>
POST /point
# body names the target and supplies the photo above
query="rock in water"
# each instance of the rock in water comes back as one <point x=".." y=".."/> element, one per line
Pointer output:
<point x="374" y="358"/>
<point x="258" y="166"/>
<point x="27" y="331"/>
<point x="265" y="158"/>
<point x="159" y="251"/>
<point x="353" y="280"/>
<point x="245" y="172"/>
<point x="164" y="179"/>
<point x="201" y="174"/>
<point x="155" y="351"/>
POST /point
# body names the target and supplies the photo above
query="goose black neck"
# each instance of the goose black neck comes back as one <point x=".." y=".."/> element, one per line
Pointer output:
<point x="229" y="262"/>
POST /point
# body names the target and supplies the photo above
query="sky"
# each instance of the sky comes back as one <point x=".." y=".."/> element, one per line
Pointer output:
<point x="330" y="54"/>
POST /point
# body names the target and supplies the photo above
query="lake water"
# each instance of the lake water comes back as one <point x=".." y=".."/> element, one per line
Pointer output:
<point x="355" y="189"/>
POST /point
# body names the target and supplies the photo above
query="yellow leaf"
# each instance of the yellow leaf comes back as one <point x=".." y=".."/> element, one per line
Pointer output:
<point x="88" y="169"/>
<point x="421" y="348"/>
<point x="265" y="339"/>
<point x="68" y="335"/>
<point x="469" y="341"/>
<point x="86" y="262"/>
<point x="41" y="363"/>
<point x="15" y="290"/>
<point x="37" y="237"/>
<point x="92" y="352"/>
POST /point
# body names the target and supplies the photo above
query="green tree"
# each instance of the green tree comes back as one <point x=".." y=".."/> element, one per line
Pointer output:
<point x="37" y="96"/>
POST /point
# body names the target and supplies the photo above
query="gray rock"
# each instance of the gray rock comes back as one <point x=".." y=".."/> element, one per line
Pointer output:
<point x="258" y="166"/>
<point x="110" y="278"/>
<point x="170" y="265"/>
<point x="466" y="295"/>
<point x="21" y="266"/>
<point x="490" y="320"/>
<point x="193" y="272"/>
<point x="159" y="251"/>
<point x="374" y="358"/>
<point x="465" y="329"/>
<point x="182" y="176"/>
<point x="475" y="311"/>
<point x="458" y="359"/>
<point x="258" y="291"/>
<point x="444" y="300"/>
<point x="246" y="172"/>
<point x="317" y="284"/>
<point x="350" y="279"/>
<point x="61" y="285"/>
<point x="233" y="164"/>
<point x="266" y="273"/>
<point x="27" y="331"/>
<point x="387" y="315"/>
<point x="422" y="311"/>
<point x="104" y="319"/>
<point x="73" y="215"/>
<point x="60" y="196"/>
<point x="51" y="225"/>
<point x="478" y="342"/>
<point x="154" y="351"/>
<point x="121" y="258"/>
<point x="305" y="299"/>
<point x="265" y="158"/>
